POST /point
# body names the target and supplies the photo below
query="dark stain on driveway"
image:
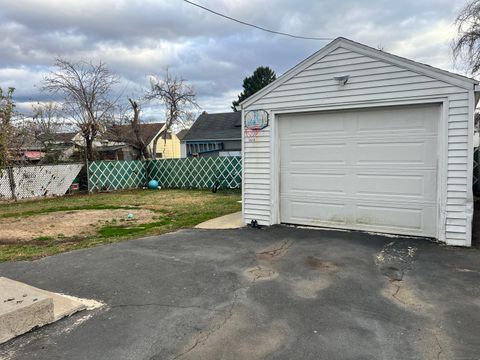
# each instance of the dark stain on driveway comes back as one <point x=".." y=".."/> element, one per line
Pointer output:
<point x="187" y="295"/>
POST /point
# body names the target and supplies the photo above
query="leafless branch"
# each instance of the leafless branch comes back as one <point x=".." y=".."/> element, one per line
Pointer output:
<point x="86" y="90"/>
<point x="466" y="46"/>
<point x="177" y="96"/>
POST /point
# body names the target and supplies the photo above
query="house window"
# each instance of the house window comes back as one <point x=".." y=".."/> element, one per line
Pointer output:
<point x="159" y="155"/>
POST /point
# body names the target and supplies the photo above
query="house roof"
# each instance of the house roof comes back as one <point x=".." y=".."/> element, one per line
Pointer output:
<point x="107" y="148"/>
<point x="124" y="133"/>
<point x="59" y="138"/>
<point x="181" y="134"/>
<point x="66" y="137"/>
<point x="220" y="126"/>
<point x="420" y="68"/>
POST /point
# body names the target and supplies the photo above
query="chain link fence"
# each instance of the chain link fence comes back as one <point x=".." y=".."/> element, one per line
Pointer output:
<point x="22" y="182"/>
<point x="195" y="173"/>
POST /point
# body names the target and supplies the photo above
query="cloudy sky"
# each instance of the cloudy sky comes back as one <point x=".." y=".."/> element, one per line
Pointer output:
<point x="139" y="38"/>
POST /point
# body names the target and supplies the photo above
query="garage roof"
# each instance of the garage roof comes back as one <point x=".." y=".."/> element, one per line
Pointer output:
<point x="436" y="73"/>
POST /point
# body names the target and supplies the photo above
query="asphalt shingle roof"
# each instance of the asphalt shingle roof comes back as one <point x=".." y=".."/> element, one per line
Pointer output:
<point x="124" y="133"/>
<point x="181" y="134"/>
<point x="220" y="126"/>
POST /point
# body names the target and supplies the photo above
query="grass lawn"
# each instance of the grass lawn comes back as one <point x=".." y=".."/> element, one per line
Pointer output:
<point x="33" y="229"/>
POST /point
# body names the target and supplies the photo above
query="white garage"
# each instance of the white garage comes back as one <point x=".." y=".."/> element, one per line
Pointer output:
<point x="364" y="140"/>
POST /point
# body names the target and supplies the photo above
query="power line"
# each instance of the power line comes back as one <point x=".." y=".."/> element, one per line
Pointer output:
<point x="256" y="26"/>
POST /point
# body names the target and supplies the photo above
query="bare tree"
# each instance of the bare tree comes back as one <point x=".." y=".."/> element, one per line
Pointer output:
<point x="135" y="123"/>
<point x="177" y="96"/>
<point x="86" y="90"/>
<point x="46" y="122"/>
<point x="45" y="125"/>
<point x="7" y="107"/>
<point x="467" y="44"/>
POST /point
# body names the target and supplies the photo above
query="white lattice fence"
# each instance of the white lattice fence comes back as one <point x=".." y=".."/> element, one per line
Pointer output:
<point x="37" y="181"/>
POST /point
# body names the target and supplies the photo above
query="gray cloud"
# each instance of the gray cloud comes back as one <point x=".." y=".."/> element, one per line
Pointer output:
<point x="139" y="38"/>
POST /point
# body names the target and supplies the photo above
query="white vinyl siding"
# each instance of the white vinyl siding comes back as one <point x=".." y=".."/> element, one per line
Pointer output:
<point x="373" y="82"/>
<point x="257" y="180"/>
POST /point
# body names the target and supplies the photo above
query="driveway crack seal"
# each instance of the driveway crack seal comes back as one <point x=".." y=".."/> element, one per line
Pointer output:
<point x="280" y="250"/>
<point x="394" y="295"/>
<point x="200" y="340"/>
<point x="439" y="346"/>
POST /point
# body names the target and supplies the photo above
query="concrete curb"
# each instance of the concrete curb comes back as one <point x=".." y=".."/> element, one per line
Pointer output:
<point x="24" y="307"/>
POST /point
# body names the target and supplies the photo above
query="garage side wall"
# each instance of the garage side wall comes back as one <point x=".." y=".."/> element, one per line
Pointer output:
<point x="373" y="82"/>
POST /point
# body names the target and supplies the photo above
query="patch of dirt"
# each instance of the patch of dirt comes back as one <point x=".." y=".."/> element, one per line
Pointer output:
<point x="322" y="265"/>
<point x="308" y="288"/>
<point x="259" y="273"/>
<point x="264" y="270"/>
<point x="240" y="336"/>
<point x="430" y="339"/>
<point x="404" y="295"/>
<point x="274" y="251"/>
<point x="67" y="224"/>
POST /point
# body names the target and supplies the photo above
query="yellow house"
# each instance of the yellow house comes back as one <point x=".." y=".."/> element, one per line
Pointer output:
<point x="167" y="147"/>
<point x="160" y="144"/>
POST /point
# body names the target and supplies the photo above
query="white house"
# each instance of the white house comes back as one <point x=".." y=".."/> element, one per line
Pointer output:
<point x="361" y="139"/>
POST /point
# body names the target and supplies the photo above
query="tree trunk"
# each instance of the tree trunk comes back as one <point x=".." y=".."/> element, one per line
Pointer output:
<point x="89" y="148"/>
<point x="136" y="129"/>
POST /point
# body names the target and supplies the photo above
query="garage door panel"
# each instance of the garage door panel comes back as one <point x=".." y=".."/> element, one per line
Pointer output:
<point x="409" y="186"/>
<point x="336" y="124"/>
<point x="414" y="120"/>
<point x="376" y="173"/>
<point x="389" y="217"/>
<point x="315" y="153"/>
<point x="392" y="187"/>
<point x="396" y="152"/>
<point x="317" y="213"/>
<point x="325" y="183"/>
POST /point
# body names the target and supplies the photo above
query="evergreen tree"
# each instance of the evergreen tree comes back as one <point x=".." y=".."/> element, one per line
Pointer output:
<point x="260" y="78"/>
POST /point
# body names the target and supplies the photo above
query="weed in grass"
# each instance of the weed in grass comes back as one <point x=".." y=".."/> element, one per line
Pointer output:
<point x="117" y="231"/>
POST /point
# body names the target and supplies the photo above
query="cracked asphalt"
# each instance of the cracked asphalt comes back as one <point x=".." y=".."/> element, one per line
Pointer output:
<point x="273" y="293"/>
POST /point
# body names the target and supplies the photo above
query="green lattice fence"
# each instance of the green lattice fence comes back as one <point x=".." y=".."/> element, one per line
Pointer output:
<point x="115" y="175"/>
<point x="197" y="173"/>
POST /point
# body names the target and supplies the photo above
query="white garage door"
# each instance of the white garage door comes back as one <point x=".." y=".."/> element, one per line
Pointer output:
<point x="373" y="170"/>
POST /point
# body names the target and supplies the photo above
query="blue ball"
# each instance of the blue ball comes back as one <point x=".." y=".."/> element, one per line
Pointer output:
<point x="153" y="184"/>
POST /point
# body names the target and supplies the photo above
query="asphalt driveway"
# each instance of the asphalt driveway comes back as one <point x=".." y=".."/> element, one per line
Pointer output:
<point x="273" y="293"/>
